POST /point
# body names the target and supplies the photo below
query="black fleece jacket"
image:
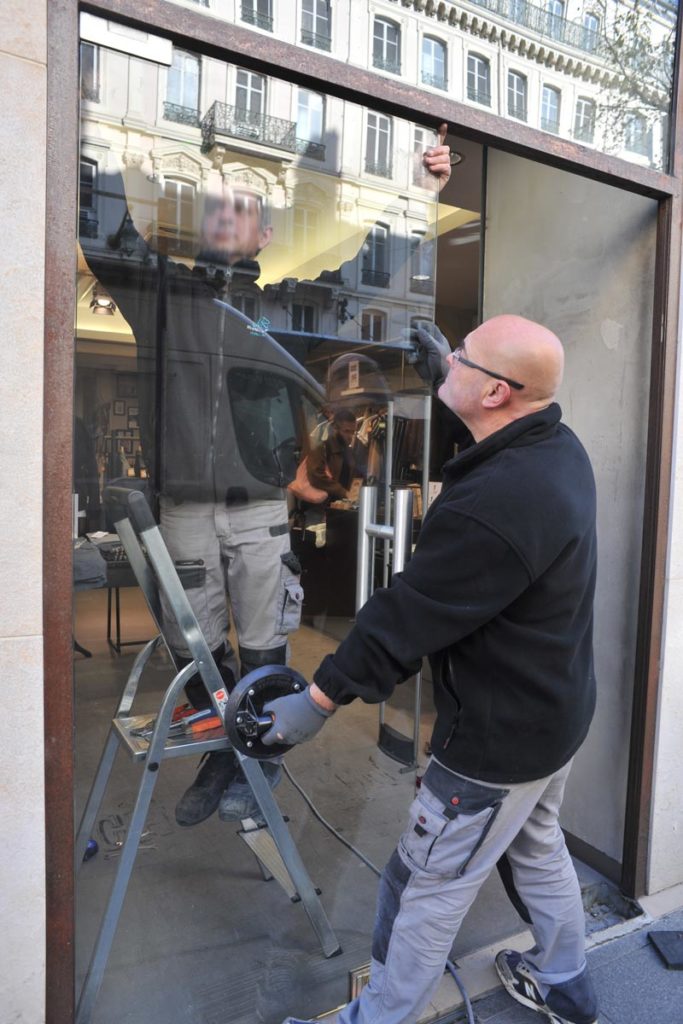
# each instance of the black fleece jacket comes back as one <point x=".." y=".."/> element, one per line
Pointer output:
<point x="499" y="596"/>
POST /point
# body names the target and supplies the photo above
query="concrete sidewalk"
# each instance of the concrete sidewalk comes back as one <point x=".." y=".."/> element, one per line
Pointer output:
<point x="633" y="984"/>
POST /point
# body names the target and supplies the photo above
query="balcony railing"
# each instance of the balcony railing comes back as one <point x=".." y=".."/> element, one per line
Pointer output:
<point x="321" y="42"/>
<point x="253" y="17"/>
<point x="585" y="133"/>
<point x="550" y="26"/>
<point x="387" y="65"/>
<point x="377" y="278"/>
<point x="550" y="124"/>
<point x="182" y="115"/>
<point x="479" y="96"/>
<point x="436" y="81"/>
<point x="380" y="168"/>
<point x="237" y="123"/>
<point x="422" y="285"/>
<point x="517" y="110"/>
<point x="315" y="150"/>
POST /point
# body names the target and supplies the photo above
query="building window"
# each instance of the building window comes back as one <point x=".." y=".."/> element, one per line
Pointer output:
<point x="584" y="120"/>
<point x="259" y="13"/>
<point x="182" y="89"/>
<point x="250" y="104"/>
<point x="550" y="109"/>
<point x="434" y="62"/>
<point x="373" y="325"/>
<point x="303" y="317"/>
<point x="591" y="32"/>
<point x="421" y="264"/>
<point x="375" y="270"/>
<point x="555" y="18"/>
<point x="517" y="95"/>
<point x="316" y="25"/>
<point x="247" y="303"/>
<point x="637" y="135"/>
<point x="310" y="124"/>
<point x="386" y="46"/>
<point x="478" y="79"/>
<point x="87" y="206"/>
<point x="90" y="72"/>
<point x="305" y="229"/>
<point x="378" y="145"/>
<point x="176" y="218"/>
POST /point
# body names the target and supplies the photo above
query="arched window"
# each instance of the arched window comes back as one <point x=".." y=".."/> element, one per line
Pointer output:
<point x="517" y="95"/>
<point x="386" y="46"/>
<point x="434" y="62"/>
<point x="637" y="135"/>
<point x="478" y="79"/>
<point x="550" y="109"/>
<point x="584" y="120"/>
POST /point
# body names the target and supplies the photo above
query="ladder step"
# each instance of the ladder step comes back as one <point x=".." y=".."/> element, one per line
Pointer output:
<point x="260" y="842"/>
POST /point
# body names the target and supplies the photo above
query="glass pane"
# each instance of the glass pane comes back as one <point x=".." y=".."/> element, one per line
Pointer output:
<point x="244" y="358"/>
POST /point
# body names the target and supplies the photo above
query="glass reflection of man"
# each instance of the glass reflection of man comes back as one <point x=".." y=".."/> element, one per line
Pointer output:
<point x="239" y="532"/>
<point x="237" y="527"/>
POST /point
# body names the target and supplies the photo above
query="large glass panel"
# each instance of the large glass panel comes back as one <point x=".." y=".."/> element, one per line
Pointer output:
<point x="243" y="357"/>
<point x="618" y="54"/>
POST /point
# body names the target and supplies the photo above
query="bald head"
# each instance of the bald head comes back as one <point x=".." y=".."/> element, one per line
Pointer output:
<point x="522" y="350"/>
<point x="509" y="347"/>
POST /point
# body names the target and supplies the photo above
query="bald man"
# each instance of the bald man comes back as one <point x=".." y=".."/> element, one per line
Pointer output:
<point x="499" y="596"/>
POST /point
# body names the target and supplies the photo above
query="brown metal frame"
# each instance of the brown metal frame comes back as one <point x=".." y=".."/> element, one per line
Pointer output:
<point x="658" y="471"/>
<point x="254" y="50"/>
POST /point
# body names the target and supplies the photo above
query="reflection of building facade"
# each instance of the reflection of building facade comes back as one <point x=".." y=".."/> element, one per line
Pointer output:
<point x="352" y="251"/>
<point x="556" y="65"/>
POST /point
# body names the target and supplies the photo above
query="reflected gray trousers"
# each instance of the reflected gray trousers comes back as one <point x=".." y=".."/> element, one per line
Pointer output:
<point x="458" y="830"/>
<point x="241" y="549"/>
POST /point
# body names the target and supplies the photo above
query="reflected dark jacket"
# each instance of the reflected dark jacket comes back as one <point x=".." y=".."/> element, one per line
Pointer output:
<point x="499" y="595"/>
<point x="208" y="384"/>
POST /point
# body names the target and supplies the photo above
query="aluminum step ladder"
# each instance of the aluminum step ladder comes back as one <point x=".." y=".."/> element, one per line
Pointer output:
<point x="272" y="845"/>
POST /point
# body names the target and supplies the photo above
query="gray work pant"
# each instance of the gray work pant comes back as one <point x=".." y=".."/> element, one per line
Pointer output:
<point x="458" y="830"/>
<point x="241" y="548"/>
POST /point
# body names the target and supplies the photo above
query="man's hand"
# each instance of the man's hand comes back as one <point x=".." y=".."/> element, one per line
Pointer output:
<point x="437" y="159"/>
<point x="296" y="718"/>
<point x="432" y="353"/>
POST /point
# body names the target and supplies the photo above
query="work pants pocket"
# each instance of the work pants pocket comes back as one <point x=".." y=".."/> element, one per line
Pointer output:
<point x="449" y="821"/>
<point x="291" y="595"/>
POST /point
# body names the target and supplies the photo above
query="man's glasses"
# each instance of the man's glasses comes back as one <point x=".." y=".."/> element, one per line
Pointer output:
<point x="491" y="373"/>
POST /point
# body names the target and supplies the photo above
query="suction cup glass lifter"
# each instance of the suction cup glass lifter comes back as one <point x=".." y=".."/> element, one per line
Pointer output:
<point x="245" y="721"/>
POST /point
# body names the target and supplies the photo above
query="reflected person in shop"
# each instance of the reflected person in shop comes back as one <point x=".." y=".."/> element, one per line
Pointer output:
<point x="237" y="528"/>
<point x="499" y="595"/>
<point x="331" y="463"/>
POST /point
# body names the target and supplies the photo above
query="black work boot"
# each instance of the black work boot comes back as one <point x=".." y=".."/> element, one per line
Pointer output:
<point x="203" y="797"/>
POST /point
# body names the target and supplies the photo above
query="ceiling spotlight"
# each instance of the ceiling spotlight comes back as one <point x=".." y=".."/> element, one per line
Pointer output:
<point x="102" y="304"/>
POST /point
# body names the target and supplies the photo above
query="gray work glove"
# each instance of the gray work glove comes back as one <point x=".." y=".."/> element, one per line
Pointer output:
<point x="297" y="718"/>
<point x="432" y="352"/>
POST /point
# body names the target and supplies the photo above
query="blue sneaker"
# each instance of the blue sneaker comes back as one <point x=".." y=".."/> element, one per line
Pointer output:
<point x="238" y="801"/>
<point x="560" y="1005"/>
